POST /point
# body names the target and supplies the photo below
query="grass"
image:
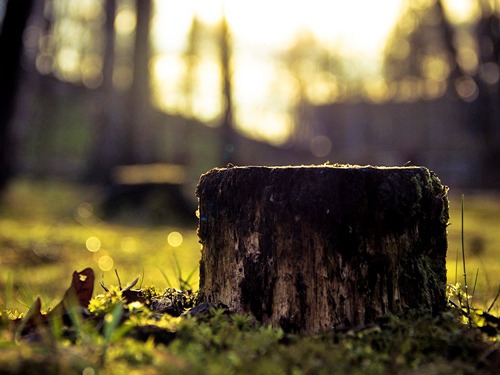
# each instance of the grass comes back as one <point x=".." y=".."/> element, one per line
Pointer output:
<point x="47" y="229"/>
<point x="481" y="242"/>
<point x="50" y="229"/>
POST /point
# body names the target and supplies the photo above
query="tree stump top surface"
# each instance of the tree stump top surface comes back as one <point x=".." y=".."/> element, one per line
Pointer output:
<point x="315" y="192"/>
<point x="335" y="166"/>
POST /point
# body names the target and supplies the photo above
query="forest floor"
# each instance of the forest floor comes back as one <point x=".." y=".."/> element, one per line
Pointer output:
<point x="52" y="230"/>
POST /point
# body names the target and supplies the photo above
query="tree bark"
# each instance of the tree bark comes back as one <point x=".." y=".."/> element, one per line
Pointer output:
<point x="310" y="249"/>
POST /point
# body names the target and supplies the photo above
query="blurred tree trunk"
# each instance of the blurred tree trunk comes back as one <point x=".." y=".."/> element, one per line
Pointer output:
<point x="447" y="32"/>
<point x="140" y="136"/>
<point x="228" y="138"/>
<point x="16" y="16"/>
<point x="128" y="137"/>
<point x="432" y="37"/>
<point x="106" y="146"/>
<point x="191" y="57"/>
<point x="485" y="110"/>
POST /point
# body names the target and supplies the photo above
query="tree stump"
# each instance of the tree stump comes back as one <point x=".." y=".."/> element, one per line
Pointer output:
<point x="315" y="248"/>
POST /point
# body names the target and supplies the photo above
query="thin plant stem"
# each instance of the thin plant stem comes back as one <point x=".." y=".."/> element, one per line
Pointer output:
<point x="165" y="277"/>
<point x="494" y="300"/>
<point x="465" y="271"/>
<point x="475" y="283"/>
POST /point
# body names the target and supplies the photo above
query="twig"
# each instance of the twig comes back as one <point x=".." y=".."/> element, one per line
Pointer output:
<point x="118" y="277"/>
<point x="102" y="284"/>
<point x="131" y="285"/>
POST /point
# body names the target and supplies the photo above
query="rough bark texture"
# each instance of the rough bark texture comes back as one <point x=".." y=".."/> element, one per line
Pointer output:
<point x="310" y="249"/>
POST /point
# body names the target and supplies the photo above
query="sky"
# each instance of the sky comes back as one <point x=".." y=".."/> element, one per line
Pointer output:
<point x="361" y="24"/>
<point x="262" y="29"/>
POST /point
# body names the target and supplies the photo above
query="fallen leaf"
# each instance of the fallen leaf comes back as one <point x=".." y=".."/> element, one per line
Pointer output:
<point x="76" y="298"/>
<point x="28" y="324"/>
<point x="78" y="294"/>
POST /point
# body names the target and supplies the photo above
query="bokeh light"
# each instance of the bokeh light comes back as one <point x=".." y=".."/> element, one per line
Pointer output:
<point x="93" y="244"/>
<point x="85" y="210"/>
<point x="467" y="88"/>
<point x="88" y="371"/>
<point x="105" y="263"/>
<point x="175" y="239"/>
<point x="321" y="146"/>
<point x="125" y="21"/>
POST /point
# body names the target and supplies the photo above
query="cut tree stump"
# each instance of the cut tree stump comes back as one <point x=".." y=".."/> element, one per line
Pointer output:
<point x="315" y="248"/>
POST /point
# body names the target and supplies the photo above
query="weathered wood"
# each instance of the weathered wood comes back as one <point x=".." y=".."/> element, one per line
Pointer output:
<point x="310" y="249"/>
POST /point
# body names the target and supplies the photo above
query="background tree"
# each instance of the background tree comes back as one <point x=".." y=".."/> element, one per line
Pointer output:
<point x="67" y="42"/>
<point x="427" y="56"/>
<point x="420" y="56"/>
<point x="125" y="132"/>
<point x="11" y="47"/>
<point x="317" y="76"/>
<point x="106" y="142"/>
<point x="485" y="109"/>
<point x="228" y="138"/>
<point x="140" y="137"/>
<point x="191" y="57"/>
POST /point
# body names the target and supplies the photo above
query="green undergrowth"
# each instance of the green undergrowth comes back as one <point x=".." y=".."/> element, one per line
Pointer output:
<point x="118" y="337"/>
<point x="49" y="229"/>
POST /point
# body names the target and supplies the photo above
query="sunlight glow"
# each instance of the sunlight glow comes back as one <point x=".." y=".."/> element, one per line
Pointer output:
<point x="462" y="10"/>
<point x="261" y="29"/>
<point x="68" y="61"/>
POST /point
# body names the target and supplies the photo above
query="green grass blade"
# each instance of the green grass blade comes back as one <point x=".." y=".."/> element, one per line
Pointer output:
<point x="465" y="270"/>
<point x="169" y="284"/>
<point x="494" y="299"/>
<point x="111" y="322"/>
<point x="178" y="268"/>
<point x="475" y="283"/>
<point x="190" y="276"/>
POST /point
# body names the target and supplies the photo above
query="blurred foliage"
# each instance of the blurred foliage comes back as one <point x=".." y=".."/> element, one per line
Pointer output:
<point x="428" y="55"/>
<point x="420" y="55"/>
